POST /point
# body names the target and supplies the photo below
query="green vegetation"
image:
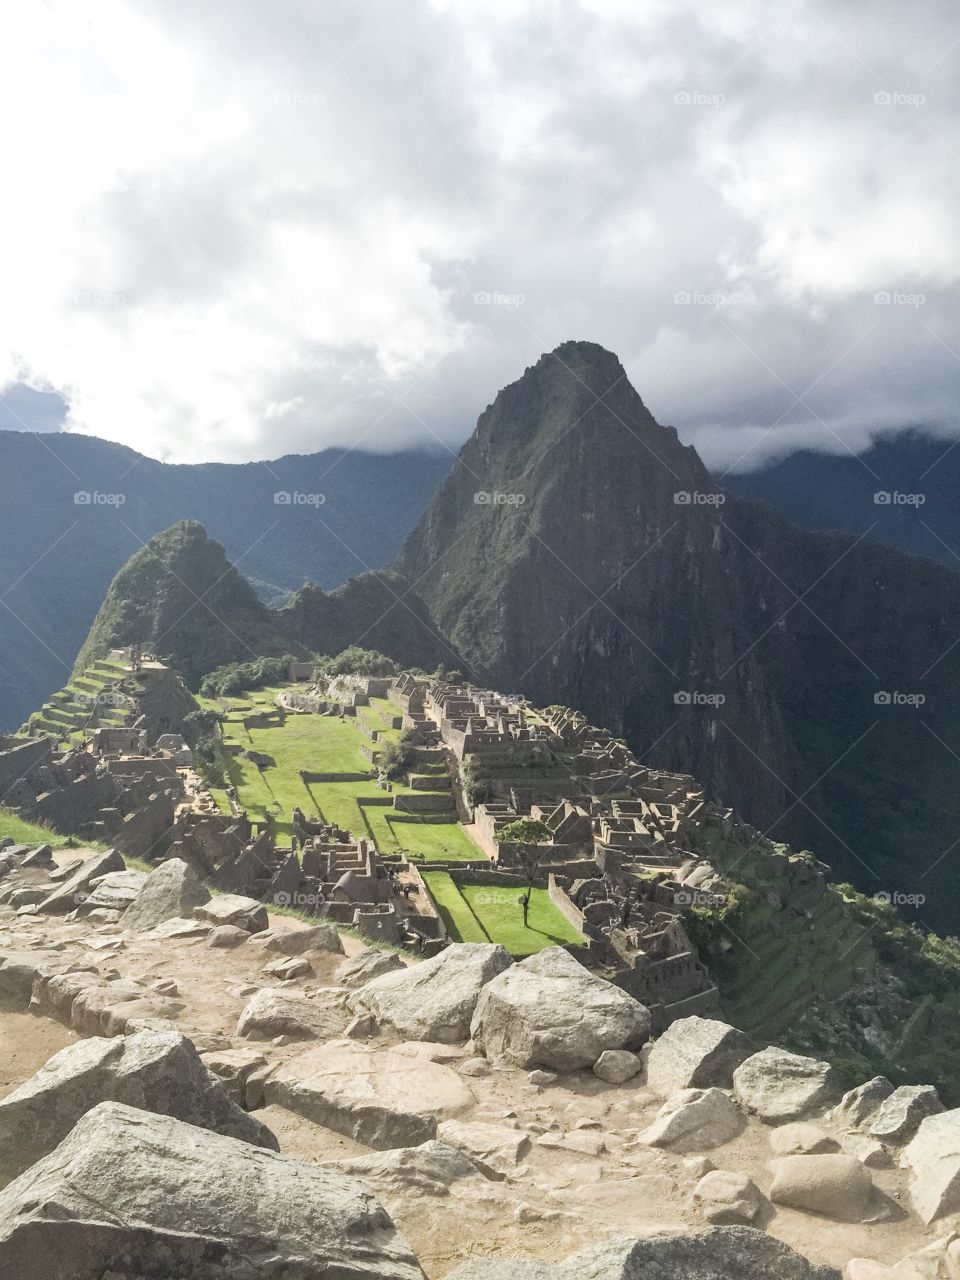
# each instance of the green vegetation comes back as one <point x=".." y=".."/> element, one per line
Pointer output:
<point x="354" y="661"/>
<point x="481" y="913"/>
<point x="34" y="833"/>
<point x="237" y="677"/>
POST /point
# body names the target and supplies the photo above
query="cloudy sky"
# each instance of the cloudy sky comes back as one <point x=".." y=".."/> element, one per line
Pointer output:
<point x="234" y="229"/>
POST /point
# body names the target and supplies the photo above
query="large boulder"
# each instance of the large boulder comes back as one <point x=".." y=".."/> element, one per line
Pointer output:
<point x="155" y="1070"/>
<point x="859" y="1104"/>
<point x="434" y="1000"/>
<point x="695" y="1120"/>
<point x="933" y="1157"/>
<point x="277" y="1012"/>
<point x="113" y="892"/>
<point x="779" y="1086"/>
<point x="549" y="1011"/>
<point x="132" y="1193"/>
<point x="720" y="1253"/>
<point x="726" y="1198"/>
<point x="73" y="891"/>
<point x="695" y="1053"/>
<point x="233" y="908"/>
<point x="837" y="1186"/>
<point x="171" y="892"/>
<point x="898" y="1117"/>
<point x="294" y="942"/>
<point x="382" y="1098"/>
<point x="370" y="963"/>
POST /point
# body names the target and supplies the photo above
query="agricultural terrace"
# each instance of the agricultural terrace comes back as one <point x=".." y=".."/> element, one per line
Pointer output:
<point x="327" y="744"/>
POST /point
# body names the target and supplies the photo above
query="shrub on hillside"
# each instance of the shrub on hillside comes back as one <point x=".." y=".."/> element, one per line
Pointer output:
<point x="239" y="677"/>
<point x="355" y="661"/>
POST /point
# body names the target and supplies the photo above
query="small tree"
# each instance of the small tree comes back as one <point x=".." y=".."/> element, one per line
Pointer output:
<point x="529" y="835"/>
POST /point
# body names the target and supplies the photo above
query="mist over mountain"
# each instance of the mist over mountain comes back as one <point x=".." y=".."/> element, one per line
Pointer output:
<point x="339" y="513"/>
<point x="579" y="553"/>
<point x="904" y="491"/>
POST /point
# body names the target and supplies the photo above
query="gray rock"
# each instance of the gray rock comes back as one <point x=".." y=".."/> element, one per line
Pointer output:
<point x="860" y="1103"/>
<point x="616" y="1066"/>
<point x="549" y="1011"/>
<point x="867" y="1150"/>
<point x="726" y="1198"/>
<point x="431" y="1168"/>
<point x="147" y="1195"/>
<point x="365" y="966"/>
<point x="114" y="891"/>
<point x="436" y="999"/>
<point x="154" y="1070"/>
<point x="695" y="1053"/>
<point x="272" y="1012"/>
<point x="778" y="1086"/>
<point x="933" y="1157"/>
<point x="233" y="1068"/>
<point x="382" y="1098"/>
<point x="171" y="892"/>
<point x="898" y="1118"/>
<point x="73" y="891"/>
<point x="476" y="1067"/>
<point x="837" y="1186"/>
<point x="720" y="1253"/>
<point x="42" y="856"/>
<point x="695" y="1120"/>
<point x="286" y="968"/>
<point x="294" y="942"/>
<point x="233" y="908"/>
<point x="227" y="935"/>
<point x="494" y="1147"/>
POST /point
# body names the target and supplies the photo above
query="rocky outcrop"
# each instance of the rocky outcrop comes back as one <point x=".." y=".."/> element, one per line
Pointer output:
<point x="549" y="1011"/>
<point x="859" y="1104"/>
<point x="71" y="893"/>
<point x="233" y="908"/>
<point x="778" y="1086"/>
<point x="138" y="1194"/>
<point x="695" y="1120"/>
<point x="295" y="942"/>
<point x="726" y="1198"/>
<point x="156" y="1071"/>
<point x="366" y="965"/>
<point x="171" y="892"/>
<point x="696" y="1053"/>
<point x="276" y="1012"/>
<point x="718" y="1254"/>
<point x="434" y="1000"/>
<point x="898" y="1117"/>
<point x="382" y="1098"/>
<point x="933" y="1158"/>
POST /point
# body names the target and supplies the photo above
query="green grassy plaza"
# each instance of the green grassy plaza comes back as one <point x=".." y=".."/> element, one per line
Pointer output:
<point x="480" y="913"/>
<point x="327" y="744"/>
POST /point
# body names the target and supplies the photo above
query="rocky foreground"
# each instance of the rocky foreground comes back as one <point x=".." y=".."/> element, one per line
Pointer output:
<point x="235" y="1095"/>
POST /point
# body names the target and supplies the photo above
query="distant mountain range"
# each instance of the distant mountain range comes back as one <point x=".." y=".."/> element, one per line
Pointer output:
<point x="904" y="491"/>
<point x="338" y="513"/>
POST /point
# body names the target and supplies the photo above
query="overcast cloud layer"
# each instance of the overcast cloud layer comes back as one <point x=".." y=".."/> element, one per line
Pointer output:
<point x="236" y="229"/>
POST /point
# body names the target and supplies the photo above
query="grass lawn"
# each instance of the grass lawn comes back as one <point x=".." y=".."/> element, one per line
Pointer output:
<point x="437" y="841"/>
<point x="480" y="913"/>
<point x="499" y="911"/>
<point x="461" y="924"/>
<point x="30" y="833"/>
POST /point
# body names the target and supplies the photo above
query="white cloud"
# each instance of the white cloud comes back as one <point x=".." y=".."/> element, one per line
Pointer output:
<point x="234" y="230"/>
